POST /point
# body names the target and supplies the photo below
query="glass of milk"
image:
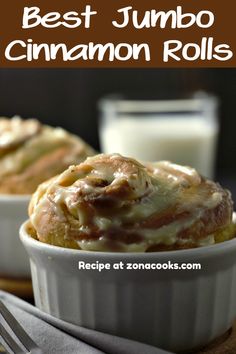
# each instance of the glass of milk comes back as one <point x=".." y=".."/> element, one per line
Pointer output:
<point x="183" y="131"/>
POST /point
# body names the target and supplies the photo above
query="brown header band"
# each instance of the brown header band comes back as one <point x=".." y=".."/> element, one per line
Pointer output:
<point x="117" y="33"/>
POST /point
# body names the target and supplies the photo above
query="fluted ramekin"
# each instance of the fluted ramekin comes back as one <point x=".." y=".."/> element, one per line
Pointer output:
<point x="14" y="261"/>
<point x="172" y="309"/>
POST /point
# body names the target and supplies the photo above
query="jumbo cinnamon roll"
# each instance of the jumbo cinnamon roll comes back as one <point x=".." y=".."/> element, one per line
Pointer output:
<point x="30" y="153"/>
<point x="114" y="203"/>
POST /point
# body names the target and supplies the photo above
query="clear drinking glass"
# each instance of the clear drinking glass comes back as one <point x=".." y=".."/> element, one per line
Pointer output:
<point x="182" y="130"/>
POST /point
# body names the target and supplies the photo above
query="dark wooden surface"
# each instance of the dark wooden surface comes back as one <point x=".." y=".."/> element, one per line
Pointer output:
<point x="225" y="344"/>
<point x="19" y="287"/>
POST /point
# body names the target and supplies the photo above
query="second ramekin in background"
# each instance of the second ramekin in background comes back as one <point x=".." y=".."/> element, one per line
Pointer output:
<point x="14" y="262"/>
<point x="172" y="309"/>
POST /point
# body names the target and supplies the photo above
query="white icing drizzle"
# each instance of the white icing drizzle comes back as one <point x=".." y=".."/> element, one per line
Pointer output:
<point x="152" y="190"/>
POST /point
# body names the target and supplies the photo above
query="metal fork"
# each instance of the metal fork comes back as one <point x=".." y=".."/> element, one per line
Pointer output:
<point x="29" y="345"/>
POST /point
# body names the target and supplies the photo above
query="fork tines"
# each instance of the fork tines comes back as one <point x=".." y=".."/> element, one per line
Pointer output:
<point x="29" y="345"/>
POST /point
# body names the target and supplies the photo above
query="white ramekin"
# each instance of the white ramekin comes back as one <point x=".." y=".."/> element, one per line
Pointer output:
<point x="172" y="309"/>
<point x="14" y="261"/>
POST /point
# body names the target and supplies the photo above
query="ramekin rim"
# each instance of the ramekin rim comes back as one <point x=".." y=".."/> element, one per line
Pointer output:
<point x="192" y="252"/>
<point x="14" y="197"/>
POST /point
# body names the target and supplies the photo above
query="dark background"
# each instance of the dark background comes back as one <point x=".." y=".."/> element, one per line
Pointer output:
<point x="68" y="97"/>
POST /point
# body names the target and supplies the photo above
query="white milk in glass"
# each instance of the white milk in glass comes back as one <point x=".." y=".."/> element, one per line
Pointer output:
<point x="183" y="140"/>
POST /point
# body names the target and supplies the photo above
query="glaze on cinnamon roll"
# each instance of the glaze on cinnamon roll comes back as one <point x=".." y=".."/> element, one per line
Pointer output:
<point x="114" y="203"/>
<point x="30" y="153"/>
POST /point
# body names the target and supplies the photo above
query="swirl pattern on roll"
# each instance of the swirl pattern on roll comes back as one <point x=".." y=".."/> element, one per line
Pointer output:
<point x="30" y="153"/>
<point x="114" y="203"/>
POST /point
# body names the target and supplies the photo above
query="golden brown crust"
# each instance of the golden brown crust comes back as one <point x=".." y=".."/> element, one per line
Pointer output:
<point x="113" y="203"/>
<point x="41" y="170"/>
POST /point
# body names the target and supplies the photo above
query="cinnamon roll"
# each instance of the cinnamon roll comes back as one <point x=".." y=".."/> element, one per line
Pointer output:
<point x="30" y="153"/>
<point x="114" y="203"/>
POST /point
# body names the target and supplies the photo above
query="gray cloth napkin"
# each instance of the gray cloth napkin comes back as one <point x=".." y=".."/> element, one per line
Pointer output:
<point x="56" y="336"/>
